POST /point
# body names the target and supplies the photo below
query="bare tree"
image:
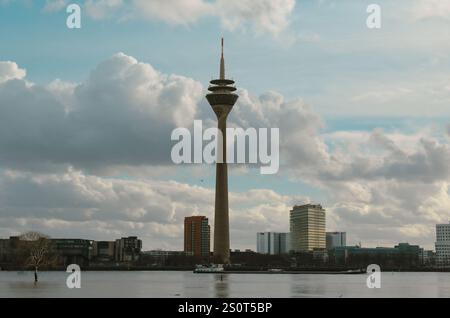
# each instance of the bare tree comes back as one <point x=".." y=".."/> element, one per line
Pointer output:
<point x="37" y="251"/>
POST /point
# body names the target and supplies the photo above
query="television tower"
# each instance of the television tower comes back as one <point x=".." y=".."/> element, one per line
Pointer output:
<point x="222" y="100"/>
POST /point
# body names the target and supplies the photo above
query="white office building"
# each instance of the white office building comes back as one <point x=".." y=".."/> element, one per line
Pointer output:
<point x="443" y="244"/>
<point x="272" y="243"/>
<point x="336" y="239"/>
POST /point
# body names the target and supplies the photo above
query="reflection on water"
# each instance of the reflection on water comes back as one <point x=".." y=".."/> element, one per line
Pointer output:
<point x="221" y="285"/>
<point x="305" y="287"/>
<point x="25" y="284"/>
<point x="190" y="285"/>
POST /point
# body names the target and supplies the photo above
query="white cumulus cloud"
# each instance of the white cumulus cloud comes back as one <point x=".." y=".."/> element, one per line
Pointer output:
<point x="10" y="70"/>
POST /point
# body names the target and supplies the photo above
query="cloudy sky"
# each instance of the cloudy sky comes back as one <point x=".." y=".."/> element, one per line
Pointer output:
<point x="86" y="116"/>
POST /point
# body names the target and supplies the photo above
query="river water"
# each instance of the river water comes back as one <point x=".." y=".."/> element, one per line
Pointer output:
<point x="188" y="284"/>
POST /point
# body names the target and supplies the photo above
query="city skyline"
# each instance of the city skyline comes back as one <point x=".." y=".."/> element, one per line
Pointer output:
<point x="197" y="229"/>
<point x="86" y="117"/>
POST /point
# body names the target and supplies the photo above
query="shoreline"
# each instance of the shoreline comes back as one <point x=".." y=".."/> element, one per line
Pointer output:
<point x="284" y="272"/>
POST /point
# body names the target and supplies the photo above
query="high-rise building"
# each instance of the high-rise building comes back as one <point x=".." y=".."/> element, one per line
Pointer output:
<point x="272" y="243"/>
<point x="127" y="249"/>
<point x="222" y="99"/>
<point x="336" y="239"/>
<point x="197" y="236"/>
<point x="443" y="244"/>
<point x="285" y="243"/>
<point x="263" y="242"/>
<point x="307" y="225"/>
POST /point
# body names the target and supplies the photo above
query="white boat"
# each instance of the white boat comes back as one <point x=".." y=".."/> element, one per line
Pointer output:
<point x="213" y="268"/>
<point x="275" y="270"/>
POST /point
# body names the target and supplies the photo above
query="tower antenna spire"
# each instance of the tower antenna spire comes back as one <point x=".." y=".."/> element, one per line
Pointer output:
<point x="222" y="64"/>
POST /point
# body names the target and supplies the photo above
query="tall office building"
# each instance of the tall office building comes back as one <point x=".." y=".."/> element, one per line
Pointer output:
<point x="307" y="225"/>
<point x="272" y="243"/>
<point x="443" y="244"/>
<point x="336" y="239"/>
<point x="197" y="236"/>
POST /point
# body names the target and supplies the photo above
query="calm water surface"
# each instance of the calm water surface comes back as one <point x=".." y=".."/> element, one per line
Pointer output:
<point x="188" y="284"/>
